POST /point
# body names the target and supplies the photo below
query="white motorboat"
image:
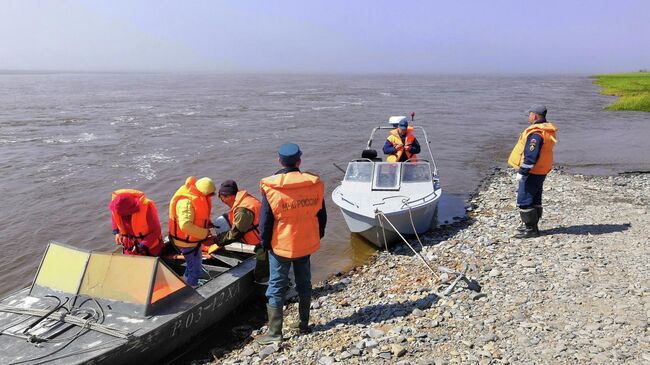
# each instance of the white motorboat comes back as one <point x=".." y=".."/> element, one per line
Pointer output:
<point x="379" y="199"/>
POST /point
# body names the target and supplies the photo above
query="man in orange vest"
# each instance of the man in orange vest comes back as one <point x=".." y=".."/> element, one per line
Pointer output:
<point x="532" y="157"/>
<point x="189" y="223"/>
<point x="135" y="223"/>
<point x="292" y="222"/>
<point x="244" y="220"/>
<point x="401" y="144"/>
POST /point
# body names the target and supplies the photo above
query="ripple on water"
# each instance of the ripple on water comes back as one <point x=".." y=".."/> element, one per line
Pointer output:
<point x="144" y="164"/>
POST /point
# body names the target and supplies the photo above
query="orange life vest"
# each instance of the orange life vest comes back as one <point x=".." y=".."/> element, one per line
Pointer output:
<point x="544" y="163"/>
<point x="138" y="222"/>
<point x="201" y="204"/>
<point x="295" y="198"/>
<point x="396" y="139"/>
<point x="244" y="200"/>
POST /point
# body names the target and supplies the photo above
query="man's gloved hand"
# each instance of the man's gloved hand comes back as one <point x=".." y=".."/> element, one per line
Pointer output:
<point x="219" y="238"/>
<point x="519" y="177"/>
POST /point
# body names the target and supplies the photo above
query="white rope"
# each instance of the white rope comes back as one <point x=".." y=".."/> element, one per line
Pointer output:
<point x="381" y="214"/>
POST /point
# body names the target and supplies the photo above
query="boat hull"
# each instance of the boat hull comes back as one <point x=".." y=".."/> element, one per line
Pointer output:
<point x="154" y="337"/>
<point x="371" y="228"/>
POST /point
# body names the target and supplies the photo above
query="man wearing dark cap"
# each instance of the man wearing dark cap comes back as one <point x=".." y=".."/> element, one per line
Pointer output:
<point x="401" y="144"/>
<point x="244" y="219"/>
<point x="292" y="222"/>
<point x="532" y="157"/>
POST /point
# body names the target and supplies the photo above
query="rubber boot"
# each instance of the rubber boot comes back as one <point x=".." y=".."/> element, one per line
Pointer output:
<point x="530" y="219"/>
<point x="302" y="325"/>
<point x="540" y="211"/>
<point x="274" y="335"/>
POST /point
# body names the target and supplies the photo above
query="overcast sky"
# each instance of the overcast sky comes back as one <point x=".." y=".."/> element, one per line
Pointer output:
<point x="332" y="36"/>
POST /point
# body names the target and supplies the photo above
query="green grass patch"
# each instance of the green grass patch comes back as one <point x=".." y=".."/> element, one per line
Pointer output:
<point x="633" y="90"/>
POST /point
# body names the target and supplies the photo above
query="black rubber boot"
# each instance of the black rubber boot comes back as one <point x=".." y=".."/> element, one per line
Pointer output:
<point x="540" y="211"/>
<point x="302" y="325"/>
<point x="530" y="219"/>
<point x="274" y="335"/>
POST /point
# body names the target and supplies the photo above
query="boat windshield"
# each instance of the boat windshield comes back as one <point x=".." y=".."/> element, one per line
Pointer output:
<point x="359" y="171"/>
<point x="387" y="176"/>
<point x="415" y="172"/>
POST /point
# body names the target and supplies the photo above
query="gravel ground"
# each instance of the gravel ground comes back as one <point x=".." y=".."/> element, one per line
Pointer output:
<point x="579" y="294"/>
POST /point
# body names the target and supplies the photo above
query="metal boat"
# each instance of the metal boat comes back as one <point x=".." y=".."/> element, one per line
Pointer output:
<point x="107" y="308"/>
<point x="381" y="200"/>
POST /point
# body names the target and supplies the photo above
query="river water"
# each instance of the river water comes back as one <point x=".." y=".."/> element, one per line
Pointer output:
<point x="68" y="140"/>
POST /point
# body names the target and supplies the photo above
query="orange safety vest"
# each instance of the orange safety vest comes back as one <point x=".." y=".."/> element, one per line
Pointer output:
<point x="544" y="163"/>
<point x="295" y="198"/>
<point x="201" y="204"/>
<point x="244" y="200"/>
<point x="139" y="224"/>
<point x="396" y="139"/>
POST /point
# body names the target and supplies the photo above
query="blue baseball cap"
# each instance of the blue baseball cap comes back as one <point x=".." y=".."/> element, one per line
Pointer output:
<point x="404" y="124"/>
<point x="289" y="154"/>
<point x="537" y="109"/>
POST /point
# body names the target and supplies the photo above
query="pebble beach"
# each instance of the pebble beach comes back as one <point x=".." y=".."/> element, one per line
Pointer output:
<point x="579" y="294"/>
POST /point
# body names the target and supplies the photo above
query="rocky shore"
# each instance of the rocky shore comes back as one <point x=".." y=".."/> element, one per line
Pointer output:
<point x="579" y="294"/>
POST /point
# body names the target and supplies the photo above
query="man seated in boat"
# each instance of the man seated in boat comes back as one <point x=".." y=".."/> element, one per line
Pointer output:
<point x="244" y="220"/>
<point x="401" y="144"/>
<point x="135" y="223"/>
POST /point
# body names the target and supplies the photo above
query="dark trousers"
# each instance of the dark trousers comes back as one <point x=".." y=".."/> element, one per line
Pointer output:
<point x="530" y="191"/>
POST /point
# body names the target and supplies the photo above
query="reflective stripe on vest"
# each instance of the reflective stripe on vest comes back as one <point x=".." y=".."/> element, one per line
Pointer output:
<point x="395" y="139"/>
<point x="139" y="225"/>
<point x="544" y="163"/>
<point x="201" y="205"/>
<point x="244" y="200"/>
<point x="295" y="199"/>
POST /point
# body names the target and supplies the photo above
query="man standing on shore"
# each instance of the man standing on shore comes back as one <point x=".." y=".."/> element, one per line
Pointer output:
<point x="532" y="157"/>
<point x="292" y="222"/>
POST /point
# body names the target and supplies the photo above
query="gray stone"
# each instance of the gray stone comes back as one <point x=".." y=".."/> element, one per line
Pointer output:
<point x="248" y="352"/>
<point x="268" y="350"/>
<point x="495" y="273"/>
<point x="417" y="312"/>
<point x="326" y="360"/>
<point x="385" y="355"/>
<point x="375" y="333"/>
<point x="345" y="355"/>
<point x="369" y="344"/>
<point x="477" y="296"/>
<point x="398" y="350"/>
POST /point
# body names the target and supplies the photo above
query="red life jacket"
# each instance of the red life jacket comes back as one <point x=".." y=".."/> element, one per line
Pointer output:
<point x="244" y="200"/>
<point x="139" y="226"/>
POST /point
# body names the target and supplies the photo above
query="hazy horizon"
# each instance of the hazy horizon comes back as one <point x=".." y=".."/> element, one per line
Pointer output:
<point x="333" y="37"/>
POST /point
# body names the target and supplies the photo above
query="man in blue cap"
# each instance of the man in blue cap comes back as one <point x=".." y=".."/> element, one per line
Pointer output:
<point x="292" y="222"/>
<point x="532" y="157"/>
<point x="401" y="144"/>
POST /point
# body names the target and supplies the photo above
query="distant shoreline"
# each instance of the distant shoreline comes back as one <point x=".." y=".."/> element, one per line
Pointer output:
<point x="633" y="90"/>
